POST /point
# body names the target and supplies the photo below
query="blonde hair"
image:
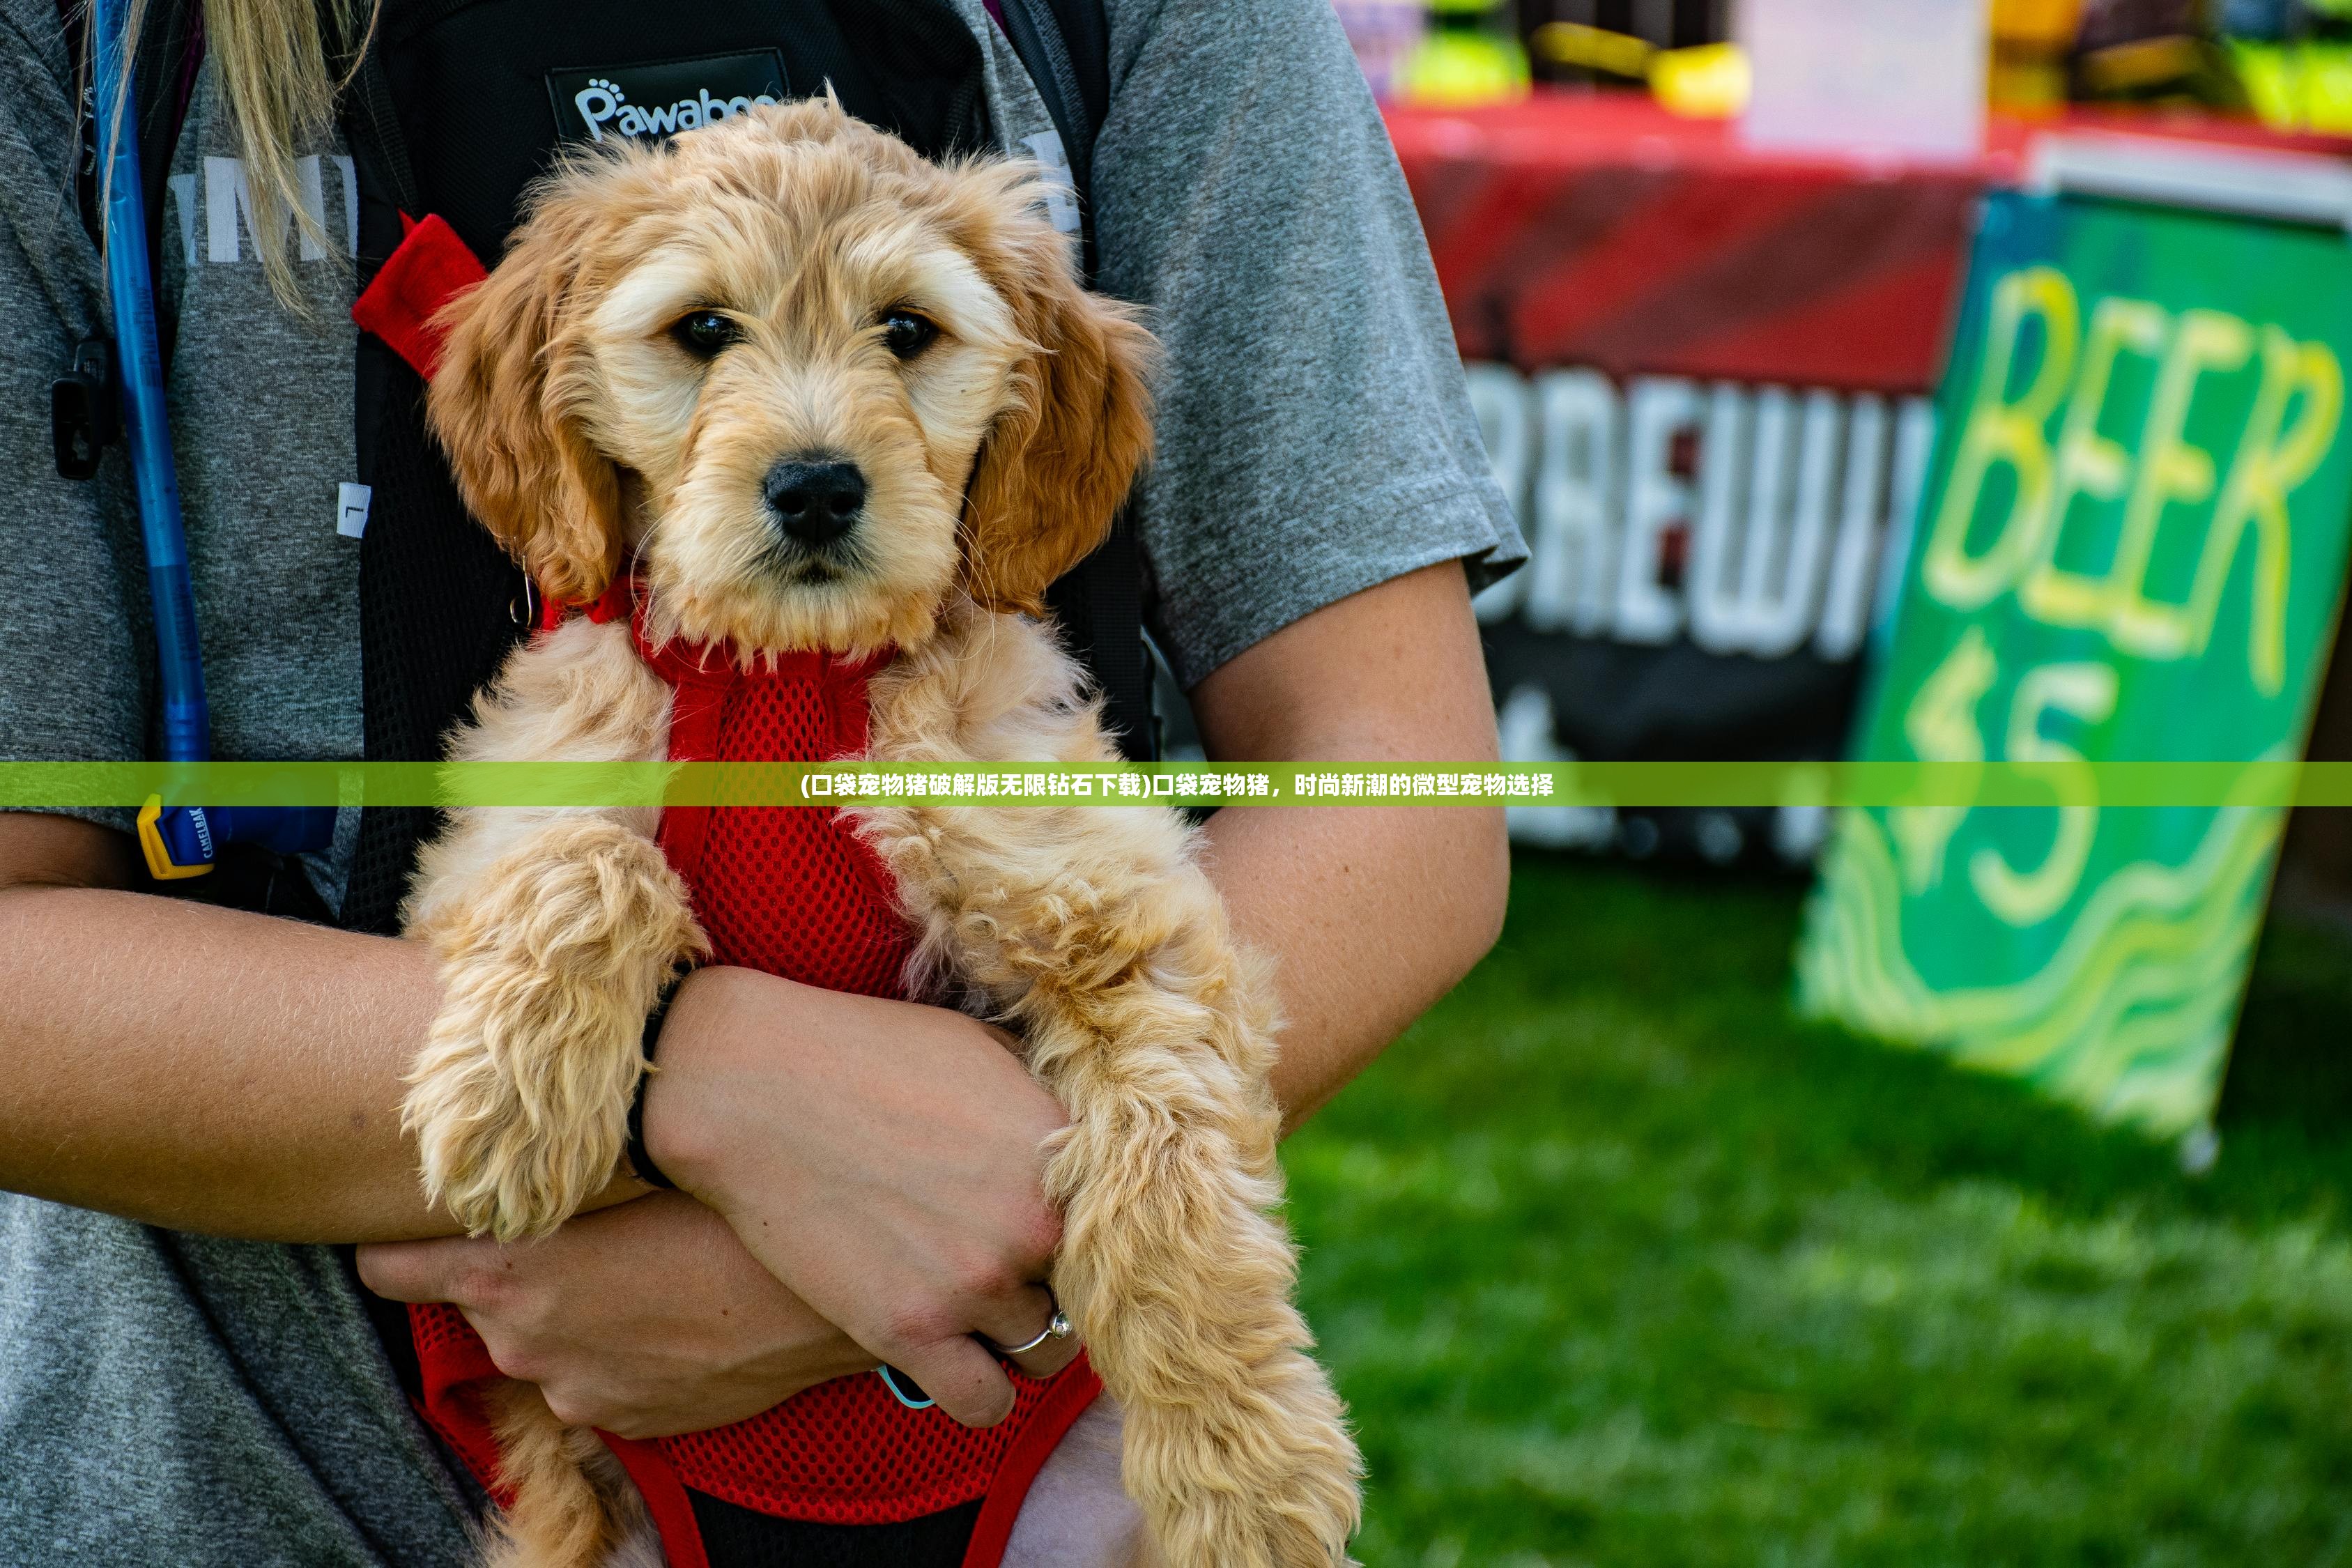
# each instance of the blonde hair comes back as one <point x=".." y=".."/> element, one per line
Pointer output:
<point x="271" y="58"/>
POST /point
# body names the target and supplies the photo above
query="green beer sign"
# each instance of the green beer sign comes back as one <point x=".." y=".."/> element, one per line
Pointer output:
<point x="2131" y="547"/>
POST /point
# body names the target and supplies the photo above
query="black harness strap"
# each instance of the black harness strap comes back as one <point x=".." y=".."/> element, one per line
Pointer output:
<point x="440" y="603"/>
<point x="372" y="129"/>
<point x="1066" y="47"/>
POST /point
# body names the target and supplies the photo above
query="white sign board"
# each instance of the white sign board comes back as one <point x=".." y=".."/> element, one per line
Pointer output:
<point x="1890" y="78"/>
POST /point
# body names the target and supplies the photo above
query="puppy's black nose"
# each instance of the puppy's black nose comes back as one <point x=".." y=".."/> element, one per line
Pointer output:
<point x="815" y="502"/>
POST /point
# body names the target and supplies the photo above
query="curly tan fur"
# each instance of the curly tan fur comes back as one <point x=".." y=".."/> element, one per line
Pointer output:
<point x="555" y="930"/>
<point x="1097" y="936"/>
<point x="996" y="460"/>
<point x="574" y="1503"/>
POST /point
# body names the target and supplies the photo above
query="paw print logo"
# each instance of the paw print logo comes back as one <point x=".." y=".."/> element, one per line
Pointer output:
<point x="598" y="102"/>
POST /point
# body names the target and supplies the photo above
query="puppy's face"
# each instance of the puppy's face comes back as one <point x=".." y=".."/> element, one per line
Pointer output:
<point x="815" y="383"/>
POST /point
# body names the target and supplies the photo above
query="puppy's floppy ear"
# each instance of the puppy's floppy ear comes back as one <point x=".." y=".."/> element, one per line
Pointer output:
<point x="1056" y="467"/>
<point x="507" y="404"/>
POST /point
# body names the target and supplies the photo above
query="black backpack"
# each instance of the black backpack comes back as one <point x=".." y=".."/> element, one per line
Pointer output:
<point x="455" y="106"/>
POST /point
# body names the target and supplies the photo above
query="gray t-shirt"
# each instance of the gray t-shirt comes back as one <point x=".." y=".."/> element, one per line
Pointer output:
<point x="175" y="1400"/>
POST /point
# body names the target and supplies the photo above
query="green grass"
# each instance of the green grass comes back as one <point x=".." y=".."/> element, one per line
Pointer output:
<point x="1618" y="1263"/>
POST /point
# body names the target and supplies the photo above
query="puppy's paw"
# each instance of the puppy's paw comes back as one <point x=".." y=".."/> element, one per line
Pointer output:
<point x="520" y="1101"/>
<point x="1317" y="1504"/>
<point x="493" y="1166"/>
<point x="1268" y="1480"/>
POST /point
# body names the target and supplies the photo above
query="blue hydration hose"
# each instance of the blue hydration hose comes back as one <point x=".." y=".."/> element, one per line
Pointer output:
<point x="179" y="840"/>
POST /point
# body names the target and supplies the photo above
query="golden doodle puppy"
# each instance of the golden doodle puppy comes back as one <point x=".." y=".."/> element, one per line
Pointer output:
<point x="804" y="393"/>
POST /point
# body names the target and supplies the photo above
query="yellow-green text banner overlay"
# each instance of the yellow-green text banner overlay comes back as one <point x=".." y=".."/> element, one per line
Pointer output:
<point x="1337" y="784"/>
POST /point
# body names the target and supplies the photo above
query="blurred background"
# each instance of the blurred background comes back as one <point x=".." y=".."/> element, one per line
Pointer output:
<point x="1660" y="1242"/>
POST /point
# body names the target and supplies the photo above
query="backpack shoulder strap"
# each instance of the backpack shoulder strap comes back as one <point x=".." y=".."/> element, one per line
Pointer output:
<point x="373" y="130"/>
<point x="370" y="127"/>
<point x="1065" y="46"/>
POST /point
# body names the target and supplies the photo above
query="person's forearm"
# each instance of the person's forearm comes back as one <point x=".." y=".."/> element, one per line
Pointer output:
<point x="207" y="1070"/>
<point x="1369" y="913"/>
<point x="200" y="1068"/>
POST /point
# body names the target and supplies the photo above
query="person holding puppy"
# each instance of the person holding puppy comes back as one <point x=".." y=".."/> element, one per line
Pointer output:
<point x="201" y="1102"/>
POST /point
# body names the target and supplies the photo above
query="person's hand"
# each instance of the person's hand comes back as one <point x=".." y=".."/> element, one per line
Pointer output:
<point x="645" y="1318"/>
<point x="884" y="1160"/>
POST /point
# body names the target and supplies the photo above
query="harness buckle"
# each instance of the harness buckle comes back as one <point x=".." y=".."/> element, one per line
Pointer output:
<point x="84" y="418"/>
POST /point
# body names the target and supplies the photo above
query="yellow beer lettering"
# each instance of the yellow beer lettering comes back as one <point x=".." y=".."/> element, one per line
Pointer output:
<point x="1941" y="726"/>
<point x="2271" y="462"/>
<point x="2090" y="464"/>
<point x="2172" y="472"/>
<point x="2001" y="433"/>
<point x="2085" y="691"/>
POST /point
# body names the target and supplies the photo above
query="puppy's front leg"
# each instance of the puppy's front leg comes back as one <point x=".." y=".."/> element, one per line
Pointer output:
<point x="1098" y="935"/>
<point x="1155" y="1032"/>
<point x="555" y="931"/>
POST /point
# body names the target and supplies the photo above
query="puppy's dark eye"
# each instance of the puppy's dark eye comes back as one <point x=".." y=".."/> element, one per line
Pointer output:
<point x="704" y="333"/>
<point x="907" y="333"/>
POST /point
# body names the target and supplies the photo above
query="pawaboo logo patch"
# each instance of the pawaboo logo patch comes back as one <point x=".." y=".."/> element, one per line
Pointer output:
<point x="662" y="98"/>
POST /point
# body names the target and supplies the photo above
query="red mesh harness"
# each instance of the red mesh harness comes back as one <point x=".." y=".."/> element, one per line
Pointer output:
<point x="793" y="891"/>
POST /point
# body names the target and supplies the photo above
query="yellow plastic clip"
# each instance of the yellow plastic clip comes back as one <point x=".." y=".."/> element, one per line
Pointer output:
<point x="150" y="844"/>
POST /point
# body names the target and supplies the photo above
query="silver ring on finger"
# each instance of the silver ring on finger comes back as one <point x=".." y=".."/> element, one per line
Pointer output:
<point x="1057" y="1327"/>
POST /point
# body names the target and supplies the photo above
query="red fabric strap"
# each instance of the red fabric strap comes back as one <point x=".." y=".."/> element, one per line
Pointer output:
<point x="666" y="1499"/>
<point x="1066" y="1399"/>
<point x="402" y="302"/>
<point x="617" y="603"/>
<point x="456" y="1368"/>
